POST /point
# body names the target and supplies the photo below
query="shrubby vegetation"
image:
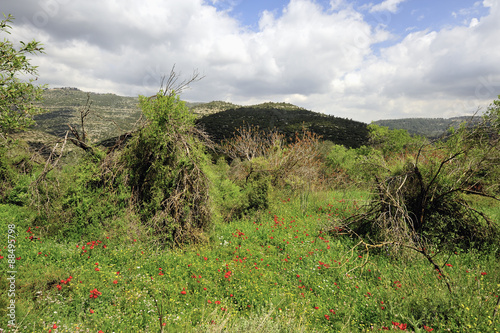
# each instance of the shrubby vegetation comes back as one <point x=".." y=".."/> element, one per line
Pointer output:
<point x="165" y="164"/>
<point x="17" y="97"/>
<point x="264" y="232"/>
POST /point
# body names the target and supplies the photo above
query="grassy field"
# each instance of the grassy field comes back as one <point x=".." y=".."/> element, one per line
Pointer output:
<point x="274" y="271"/>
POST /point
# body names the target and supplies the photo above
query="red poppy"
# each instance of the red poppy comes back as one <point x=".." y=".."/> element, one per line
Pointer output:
<point x="183" y="292"/>
<point x="95" y="293"/>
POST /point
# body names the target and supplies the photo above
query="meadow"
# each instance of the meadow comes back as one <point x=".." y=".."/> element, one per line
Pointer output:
<point x="272" y="271"/>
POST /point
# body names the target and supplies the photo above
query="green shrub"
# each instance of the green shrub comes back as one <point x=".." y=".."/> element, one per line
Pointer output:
<point x="422" y="204"/>
<point x="165" y="164"/>
<point x="228" y="199"/>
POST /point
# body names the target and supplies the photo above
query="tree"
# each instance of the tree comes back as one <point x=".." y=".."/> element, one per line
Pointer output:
<point x="17" y="97"/>
<point x="392" y="141"/>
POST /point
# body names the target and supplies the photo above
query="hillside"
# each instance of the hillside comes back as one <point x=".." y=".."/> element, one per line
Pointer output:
<point x="288" y="119"/>
<point x="428" y="127"/>
<point x="110" y="116"/>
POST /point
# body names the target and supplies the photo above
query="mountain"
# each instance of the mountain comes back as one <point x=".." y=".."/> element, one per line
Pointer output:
<point x="428" y="127"/>
<point x="110" y="115"/>
<point x="287" y="119"/>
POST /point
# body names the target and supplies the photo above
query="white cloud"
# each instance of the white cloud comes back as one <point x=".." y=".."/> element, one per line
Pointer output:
<point x="319" y="59"/>
<point x="387" y="5"/>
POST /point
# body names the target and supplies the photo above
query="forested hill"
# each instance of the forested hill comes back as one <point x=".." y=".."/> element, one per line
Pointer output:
<point x="428" y="127"/>
<point x="287" y="119"/>
<point x="112" y="115"/>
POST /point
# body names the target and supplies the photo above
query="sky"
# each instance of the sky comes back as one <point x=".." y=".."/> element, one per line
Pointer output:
<point x="355" y="59"/>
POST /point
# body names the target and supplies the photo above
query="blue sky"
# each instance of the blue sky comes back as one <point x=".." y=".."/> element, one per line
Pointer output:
<point x="364" y="60"/>
<point x="411" y="15"/>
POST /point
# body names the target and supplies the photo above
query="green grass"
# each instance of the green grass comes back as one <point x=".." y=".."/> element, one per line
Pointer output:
<point x="274" y="271"/>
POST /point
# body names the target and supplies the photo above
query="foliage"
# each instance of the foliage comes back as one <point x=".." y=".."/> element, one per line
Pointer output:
<point x="492" y="116"/>
<point x="229" y="200"/>
<point x="351" y="166"/>
<point x="424" y="203"/>
<point x="287" y="163"/>
<point x="17" y="97"/>
<point x="391" y="142"/>
<point x="83" y="200"/>
<point x="165" y="162"/>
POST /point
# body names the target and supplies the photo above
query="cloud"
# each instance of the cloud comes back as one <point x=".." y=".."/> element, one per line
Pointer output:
<point x="319" y="58"/>
<point x="387" y="5"/>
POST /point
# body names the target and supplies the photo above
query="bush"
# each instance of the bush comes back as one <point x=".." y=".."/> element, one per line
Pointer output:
<point x="295" y="164"/>
<point x="17" y="166"/>
<point x="165" y="163"/>
<point x="423" y="201"/>
<point x="347" y="166"/>
<point x="228" y="199"/>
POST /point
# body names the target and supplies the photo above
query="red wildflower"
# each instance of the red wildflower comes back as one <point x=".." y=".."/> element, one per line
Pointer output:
<point x="115" y="281"/>
<point x="95" y="293"/>
<point x="183" y="292"/>
<point x="91" y="311"/>
<point x="483" y="273"/>
<point x="428" y="329"/>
